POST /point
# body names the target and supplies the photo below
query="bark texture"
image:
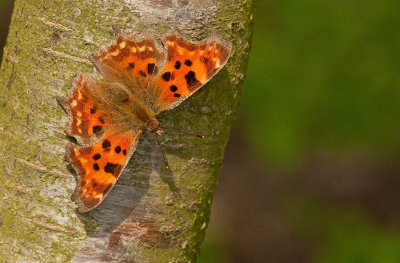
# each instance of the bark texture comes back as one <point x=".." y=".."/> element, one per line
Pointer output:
<point x="152" y="214"/>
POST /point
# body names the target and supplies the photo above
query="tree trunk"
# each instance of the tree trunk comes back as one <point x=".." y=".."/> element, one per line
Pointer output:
<point x="153" y="214"/>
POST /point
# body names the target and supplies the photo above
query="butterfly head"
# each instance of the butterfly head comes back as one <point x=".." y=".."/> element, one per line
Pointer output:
<point x="153" y="126"/>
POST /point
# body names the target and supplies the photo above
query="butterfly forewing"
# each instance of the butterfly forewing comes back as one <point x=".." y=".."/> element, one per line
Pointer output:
<point x="88" y="116"/>
<point x="130" y="62"/>
<point x="188" y="67"/>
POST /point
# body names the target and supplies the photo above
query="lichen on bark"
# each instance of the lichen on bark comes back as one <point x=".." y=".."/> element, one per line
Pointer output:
<point x="152" y="214"/>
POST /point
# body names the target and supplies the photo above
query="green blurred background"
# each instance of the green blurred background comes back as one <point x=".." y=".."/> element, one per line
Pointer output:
<point x="312" y="171"/>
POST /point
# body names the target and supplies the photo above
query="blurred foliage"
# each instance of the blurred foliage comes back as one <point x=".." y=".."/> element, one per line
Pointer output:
<point x="323" y="74"/>
<point x="214" y="250"/>
<point x="342" y="234"/>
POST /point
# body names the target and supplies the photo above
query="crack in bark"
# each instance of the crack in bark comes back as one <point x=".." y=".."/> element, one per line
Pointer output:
<point x="63" y="55"/>
<point x="55" y="25"/>
<point x="52" y="227"/>
<point x="40" y="167"/>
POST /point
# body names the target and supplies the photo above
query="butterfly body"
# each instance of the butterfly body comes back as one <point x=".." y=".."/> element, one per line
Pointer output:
<point x="108" y="117"/>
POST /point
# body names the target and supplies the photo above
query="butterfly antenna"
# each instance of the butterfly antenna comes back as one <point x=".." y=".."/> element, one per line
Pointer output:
<point x="162" y="152"/>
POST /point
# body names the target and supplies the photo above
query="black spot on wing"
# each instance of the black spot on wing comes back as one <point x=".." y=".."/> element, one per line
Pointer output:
<point x="118" y="149"/>
<point x="106" y="144"/>
<point x="177" y="95"/>
<point x="173" y="88"/>
<point x="177" y="64"/>
<point x="96" y="167"/>
<point x="113" y="168"/>
<point x="97" y="128"/>
<point x="166" y="76"/>
<point x="141" y="73"/>
<point x="96" y="156"/>
<point x="150" y="68"/>
<point x="191" y="80"/>
<point x="131" y="65"/>
<point x="188" y="62"/>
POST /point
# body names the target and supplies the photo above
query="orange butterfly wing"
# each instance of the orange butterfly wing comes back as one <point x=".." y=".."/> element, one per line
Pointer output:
<point x="132" y="63"/>
<point x="188" y="66"/>
<point x="89" y="118"/>
<point x="99" y="166"/>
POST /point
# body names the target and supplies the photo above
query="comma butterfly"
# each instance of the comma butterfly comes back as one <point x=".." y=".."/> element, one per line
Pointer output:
<point x="107" y="117"/>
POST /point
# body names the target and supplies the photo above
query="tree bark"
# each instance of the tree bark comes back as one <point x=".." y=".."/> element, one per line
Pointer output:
<point x="153" y="214"/>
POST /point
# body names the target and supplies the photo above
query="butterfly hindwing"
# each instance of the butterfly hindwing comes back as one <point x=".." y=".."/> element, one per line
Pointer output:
<point x="99" y="166"/>
<point x="188" y="66"/>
